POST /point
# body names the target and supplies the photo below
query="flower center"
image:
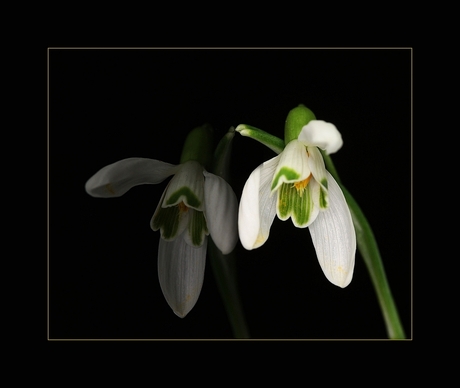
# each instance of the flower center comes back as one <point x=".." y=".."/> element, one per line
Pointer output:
<point x="182" y="207"/>
<point x="301" y="185"/>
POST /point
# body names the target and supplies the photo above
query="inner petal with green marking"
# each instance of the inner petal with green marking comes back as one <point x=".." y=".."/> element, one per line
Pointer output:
<point x="197" y="228"/>
<point x="323" y="196"/>
<point x="297" y="204"/>
<point x="170" y="220"/>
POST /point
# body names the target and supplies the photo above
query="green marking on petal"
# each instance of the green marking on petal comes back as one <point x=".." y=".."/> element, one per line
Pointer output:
<point x="323" y="199"/>
<point x="284" y="202"/>
<point x="197" y="228"/>
<point x="324" y="182"/>
<point x="190" y="200"/>
<point x="288" y="173"/>
<point x="167" y="220"/>
<point x="292" y="204"/>
<point x="323" y="195"/>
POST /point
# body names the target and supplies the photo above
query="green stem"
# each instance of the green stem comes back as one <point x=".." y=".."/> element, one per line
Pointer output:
<point x="368" y="248"/>
<point x="224" y="266"/>
<point x="274" y="143"/>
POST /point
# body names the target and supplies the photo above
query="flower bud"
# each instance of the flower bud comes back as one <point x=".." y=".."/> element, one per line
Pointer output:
<point x="297" y="118"/>
<point x="198" y="146"/>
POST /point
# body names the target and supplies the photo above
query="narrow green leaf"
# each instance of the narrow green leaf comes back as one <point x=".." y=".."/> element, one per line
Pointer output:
<point x="222" y="154"/>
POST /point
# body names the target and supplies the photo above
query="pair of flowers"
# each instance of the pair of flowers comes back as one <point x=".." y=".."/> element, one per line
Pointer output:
<point x="196" y="203"/>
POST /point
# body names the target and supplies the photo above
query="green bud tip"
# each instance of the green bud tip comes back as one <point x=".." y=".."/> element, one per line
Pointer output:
<point x="296" y="119"/>
<point x="198" y="146"/>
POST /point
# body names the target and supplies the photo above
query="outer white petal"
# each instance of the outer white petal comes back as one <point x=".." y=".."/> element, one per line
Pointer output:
<point x="117" y="178"/>
<point x="257" y="206"/>
<point x="181" y="272"/>
<point x="334" y="238"/>
<point x="221" y="211"/>
<point x="321" y="134"/>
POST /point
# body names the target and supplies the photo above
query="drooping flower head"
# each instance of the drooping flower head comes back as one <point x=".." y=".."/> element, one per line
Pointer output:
<point x="195" y="204"/>
<point x="295" y="184"/>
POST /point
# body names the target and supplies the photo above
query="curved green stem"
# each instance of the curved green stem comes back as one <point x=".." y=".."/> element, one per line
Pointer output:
<point x="224" y="266"/>
<point x="368" y="248"/>
<point x="274" y="143"/>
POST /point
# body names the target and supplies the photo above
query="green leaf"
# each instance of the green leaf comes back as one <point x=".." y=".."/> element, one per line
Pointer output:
<point x="222" y="154"/>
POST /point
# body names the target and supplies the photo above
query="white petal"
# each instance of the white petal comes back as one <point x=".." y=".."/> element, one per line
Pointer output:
<point x="187" y="186"/>
<point x="221" y="211"/>
<point x="292" y="166"/>
<point x="321" y="134"/>
<point x="334" y="238"/>
<point x="181" y="272"/>
<point x="257" y="206"/>
<point x="117" y="178"/>
<point x="316" y="163"/>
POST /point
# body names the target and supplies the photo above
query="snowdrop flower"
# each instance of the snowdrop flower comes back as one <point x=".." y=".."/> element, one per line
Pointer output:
<point x="295" y="184"/>
<point x="194" y="204"/>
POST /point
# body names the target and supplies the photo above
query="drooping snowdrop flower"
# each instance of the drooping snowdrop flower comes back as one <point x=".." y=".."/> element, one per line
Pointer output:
<point x="295" y="184"/>
<point x="195" y="204"/>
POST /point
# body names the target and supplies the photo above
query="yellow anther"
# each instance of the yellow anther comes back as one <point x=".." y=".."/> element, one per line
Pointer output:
<point x="301" y="185"/>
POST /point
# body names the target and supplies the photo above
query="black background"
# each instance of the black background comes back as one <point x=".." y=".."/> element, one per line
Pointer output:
<point x="110" y="104"/>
